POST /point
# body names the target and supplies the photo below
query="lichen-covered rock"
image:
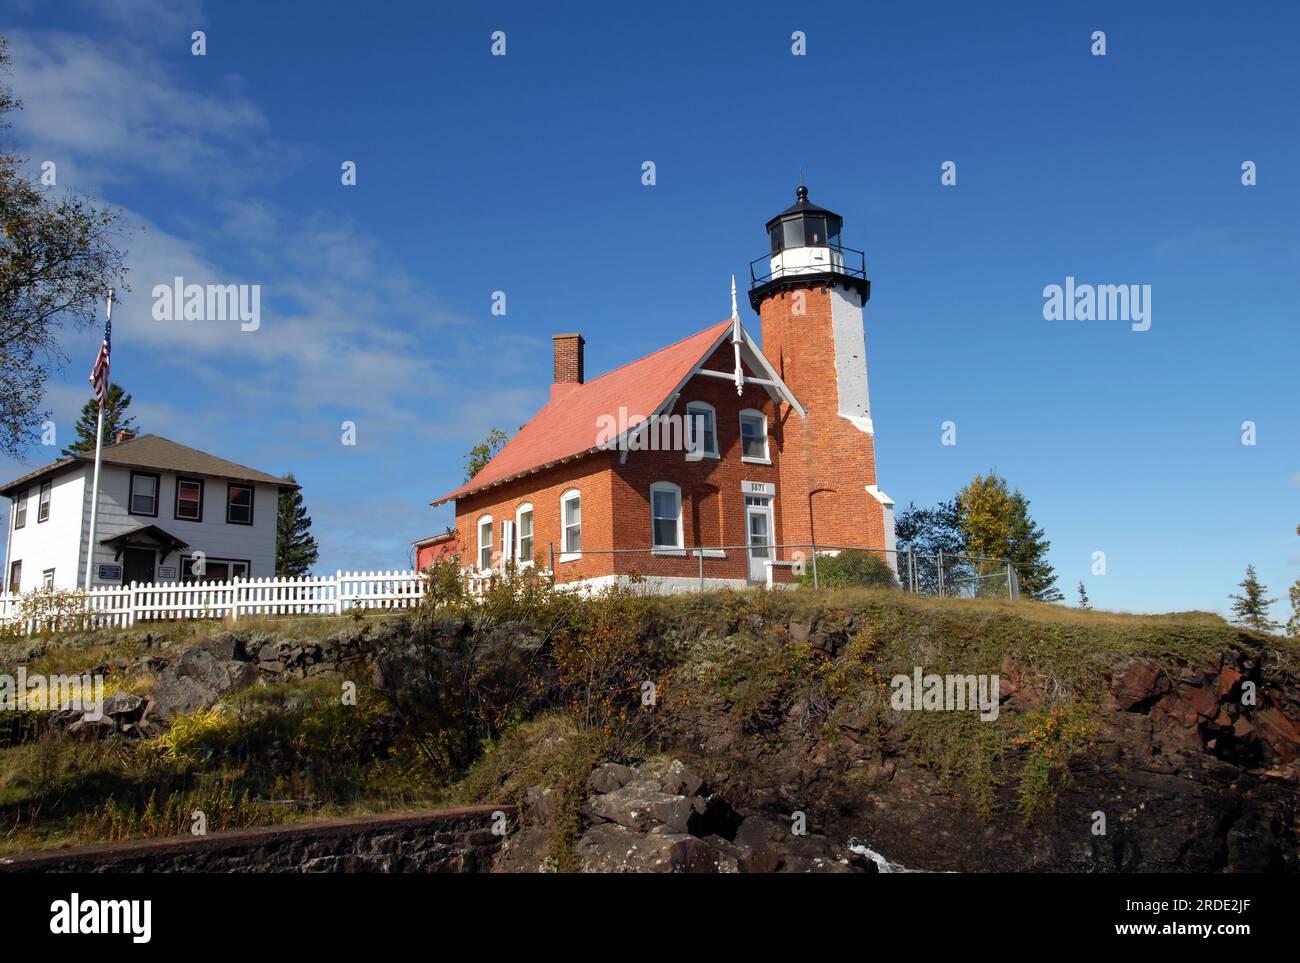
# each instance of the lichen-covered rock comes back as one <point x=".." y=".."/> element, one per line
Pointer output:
<point x="202" y="675"/>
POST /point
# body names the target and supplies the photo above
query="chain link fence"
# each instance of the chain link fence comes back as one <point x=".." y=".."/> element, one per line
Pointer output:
<point x="784" y="565"/>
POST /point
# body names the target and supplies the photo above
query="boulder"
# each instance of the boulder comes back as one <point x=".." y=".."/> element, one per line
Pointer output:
<point x="200" y="677"/>
<point x="680" y="781"/>
<point x="638" y="806"/>
<point x="608" y="777"/>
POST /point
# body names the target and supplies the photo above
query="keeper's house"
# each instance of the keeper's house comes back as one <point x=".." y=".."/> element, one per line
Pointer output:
<point x="711" y="448"/>
<point x="162" y="507"/>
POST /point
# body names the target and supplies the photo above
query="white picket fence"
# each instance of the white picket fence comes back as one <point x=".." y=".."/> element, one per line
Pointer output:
<point x="117" y="606"/>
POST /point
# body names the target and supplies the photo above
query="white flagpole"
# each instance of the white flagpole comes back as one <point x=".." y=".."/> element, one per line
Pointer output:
<point x="99" y="453"/>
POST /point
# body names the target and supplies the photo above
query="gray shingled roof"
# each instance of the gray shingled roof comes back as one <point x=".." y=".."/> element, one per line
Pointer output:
<point x="156" y="453"/>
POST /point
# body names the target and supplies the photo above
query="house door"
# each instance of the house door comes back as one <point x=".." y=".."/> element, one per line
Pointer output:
<point x="138" y="565"/>
<point x="758" y="530"/>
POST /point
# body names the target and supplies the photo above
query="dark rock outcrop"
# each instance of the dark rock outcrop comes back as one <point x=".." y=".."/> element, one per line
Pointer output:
<point x="1192" y="768"/>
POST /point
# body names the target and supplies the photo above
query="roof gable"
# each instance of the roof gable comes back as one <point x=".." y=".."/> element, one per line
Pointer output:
<point x="568" y="425"/>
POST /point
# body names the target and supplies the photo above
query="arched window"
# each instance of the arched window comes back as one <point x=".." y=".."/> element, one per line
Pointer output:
<point x="524" y="533"/>
<point x="571" y="523"/>
<point x="701" y="431"/>
<point x="485" y="541"/>
<point x="753" y="437"/>
<point x="666" y="515"/>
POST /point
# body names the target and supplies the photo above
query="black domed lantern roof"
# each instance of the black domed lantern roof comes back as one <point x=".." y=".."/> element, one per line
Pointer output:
<point x="804" y="224"/>
<point x="805" y="250"/>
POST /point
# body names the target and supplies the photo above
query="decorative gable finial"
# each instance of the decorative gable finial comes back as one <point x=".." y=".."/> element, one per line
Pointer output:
<point x="735" y="312"/>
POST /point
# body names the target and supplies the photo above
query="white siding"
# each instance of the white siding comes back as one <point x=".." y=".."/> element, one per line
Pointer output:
<point x="54" y="542"/>
<point x="213" y="535"/>
<point x="60" y="542"/>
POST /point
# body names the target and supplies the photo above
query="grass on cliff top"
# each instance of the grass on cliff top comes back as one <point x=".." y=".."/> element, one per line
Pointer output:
<point x="289" y="741"/>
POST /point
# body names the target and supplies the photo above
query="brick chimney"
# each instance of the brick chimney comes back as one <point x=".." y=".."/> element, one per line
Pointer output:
<point x="568" y="362"/>
<point x="123" y="434"/>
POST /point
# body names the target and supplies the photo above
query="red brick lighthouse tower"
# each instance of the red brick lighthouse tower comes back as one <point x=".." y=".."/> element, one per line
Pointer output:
<point x="809" y="292"/>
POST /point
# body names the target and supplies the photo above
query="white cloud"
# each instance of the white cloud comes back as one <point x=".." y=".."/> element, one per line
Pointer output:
<point x="108" y="112"/>
<point x="346" y="332"/>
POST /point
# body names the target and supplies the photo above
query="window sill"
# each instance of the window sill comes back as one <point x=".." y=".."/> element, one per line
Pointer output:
<point x="709" y="552"/>
<point x="715" y="456"/>
<point x="755" y="461"/>
<point x="570" y="556"/>
<point x="668" y="550"/>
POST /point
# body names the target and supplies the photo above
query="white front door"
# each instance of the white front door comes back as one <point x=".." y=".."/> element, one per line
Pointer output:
<point x="758" y="529"/>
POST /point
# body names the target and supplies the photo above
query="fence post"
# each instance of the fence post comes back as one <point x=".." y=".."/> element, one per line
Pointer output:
<point x="550" y="549"/>
<point x="234" y="599"/>
<point x="130" y="606"/>
<point x="337" y="606"/>
<point x="940" y="558"/>
<point x="816" y="584"/>
<point x="911" y="570"/>
<point x="700" y="552"/>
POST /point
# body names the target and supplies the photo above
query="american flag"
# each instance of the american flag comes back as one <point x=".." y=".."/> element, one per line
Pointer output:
<point x="99" y="373"/>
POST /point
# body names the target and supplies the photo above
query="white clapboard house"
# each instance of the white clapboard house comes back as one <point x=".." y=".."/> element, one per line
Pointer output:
<point x="162" y="506"/>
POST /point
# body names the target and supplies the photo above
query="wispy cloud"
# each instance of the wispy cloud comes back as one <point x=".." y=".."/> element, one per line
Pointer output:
<point x="346" y="334"/>
<point x="107" y="114"/>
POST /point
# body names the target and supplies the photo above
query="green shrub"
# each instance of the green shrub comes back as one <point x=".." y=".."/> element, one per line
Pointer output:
<point x="850" y="569"/>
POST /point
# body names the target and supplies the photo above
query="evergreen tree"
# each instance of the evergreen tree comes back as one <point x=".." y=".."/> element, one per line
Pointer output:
<point x="1251" y="607"/>
<point x="478" y="457"/>
<point x="1083" y="596"/>
<point x="927" y="531"/>
<point x="115" y="417"/>
<point x="1293" y="623"/>
<point x="997" y="524"/>
<point x="295" y="546"/>
<point x="924" y="533"/>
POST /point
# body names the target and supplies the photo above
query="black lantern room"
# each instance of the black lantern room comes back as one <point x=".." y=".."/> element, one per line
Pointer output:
<point x="804" y="224"/>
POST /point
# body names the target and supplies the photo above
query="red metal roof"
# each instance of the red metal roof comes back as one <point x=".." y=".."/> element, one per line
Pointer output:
<point x="569" y="423"/>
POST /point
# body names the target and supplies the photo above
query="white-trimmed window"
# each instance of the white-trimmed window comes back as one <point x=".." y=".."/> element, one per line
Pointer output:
<point x="666" y="515"/>
<point x="142" y="499"/>
<point x="753" y="436"/>
<point x="43" y="502"/>
<point x="47" y="578"/>
<point x="485" y="542"/>
<point x="571" y="522"/>
<point x="200" y="568"/>
<point x="507" y="542"/>
<point x="524" y="533"/>
<point x="20" y="509"/>
<point x="701" y="430"/>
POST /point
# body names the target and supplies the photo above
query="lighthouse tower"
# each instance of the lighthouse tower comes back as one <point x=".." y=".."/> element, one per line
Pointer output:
<point x="809" y="292"/>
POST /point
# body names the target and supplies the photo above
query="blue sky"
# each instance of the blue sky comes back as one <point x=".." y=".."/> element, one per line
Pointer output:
<point x="523" y="174"/>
